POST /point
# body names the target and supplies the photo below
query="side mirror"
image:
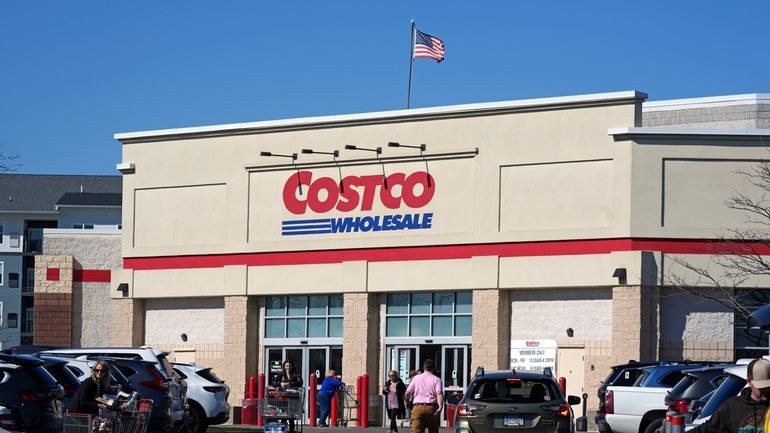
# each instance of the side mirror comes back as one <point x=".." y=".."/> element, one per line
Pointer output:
<point x="573" y="400"/>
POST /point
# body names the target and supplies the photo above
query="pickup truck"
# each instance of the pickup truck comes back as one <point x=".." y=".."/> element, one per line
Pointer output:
<point x="635" y="409"/>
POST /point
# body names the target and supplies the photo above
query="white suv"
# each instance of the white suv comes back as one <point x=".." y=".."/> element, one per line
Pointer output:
<point x="206" y="395"/>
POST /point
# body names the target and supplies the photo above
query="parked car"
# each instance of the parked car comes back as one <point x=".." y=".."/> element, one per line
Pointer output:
<point x="68" y="381"/>
<point x="173" y="384"/>
<point x="10" y="420"/>
<point x="620" y="375"/>
<point x="539" y="404"/>
<point x="731" y="386"/>
<point x="206" y="395"/>
<point x="26" y="387"/>
<point x="695" y="384"/>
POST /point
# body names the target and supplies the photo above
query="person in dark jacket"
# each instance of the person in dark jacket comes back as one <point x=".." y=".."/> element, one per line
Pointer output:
<point x="394" y="390"/>
<point x="744" y="413"/>
<point x="289" y="378"/>
<point x="328" y="388"/>
<point x="84" y="400"/>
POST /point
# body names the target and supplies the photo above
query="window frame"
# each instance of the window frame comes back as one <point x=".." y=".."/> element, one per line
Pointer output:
<point x="394" y="310"/>
<point x="290" y="314"/>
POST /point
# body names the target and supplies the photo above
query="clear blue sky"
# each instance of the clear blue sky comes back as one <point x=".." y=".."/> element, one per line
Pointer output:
<point x="73" y="73"/>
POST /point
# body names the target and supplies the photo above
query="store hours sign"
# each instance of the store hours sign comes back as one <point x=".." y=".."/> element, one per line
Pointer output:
<point x="533" y="355"/>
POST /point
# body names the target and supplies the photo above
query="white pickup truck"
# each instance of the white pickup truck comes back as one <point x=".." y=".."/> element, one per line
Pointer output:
<point x="634" y="409"/>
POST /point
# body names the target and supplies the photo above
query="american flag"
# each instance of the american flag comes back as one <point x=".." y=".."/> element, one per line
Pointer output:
<point x="428" y="47"/>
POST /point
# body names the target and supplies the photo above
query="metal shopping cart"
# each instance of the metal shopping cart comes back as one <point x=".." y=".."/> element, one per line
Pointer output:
<point x="281" y="405"/>
<point x="132" y="417"/>
<point x="348" y="405"/>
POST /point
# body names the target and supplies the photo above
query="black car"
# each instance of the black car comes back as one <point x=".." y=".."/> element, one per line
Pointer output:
<point x="620" y="375"/>
<point x="30" y="390"/>
<point x="695" y="384"/>
<point x="68" y="381"/>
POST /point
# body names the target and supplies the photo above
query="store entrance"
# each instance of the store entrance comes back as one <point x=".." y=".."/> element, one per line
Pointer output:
<point x="306" y="360"/>
<point x="452" y="364"/>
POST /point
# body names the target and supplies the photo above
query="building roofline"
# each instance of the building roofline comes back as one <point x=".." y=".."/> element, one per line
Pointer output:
<point x="678" y="131"/>
<point x="382" y="116"/>
<point x="707" y="102"/>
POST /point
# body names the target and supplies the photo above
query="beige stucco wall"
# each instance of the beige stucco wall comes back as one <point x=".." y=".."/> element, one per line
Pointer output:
<point x="200" y="319"/>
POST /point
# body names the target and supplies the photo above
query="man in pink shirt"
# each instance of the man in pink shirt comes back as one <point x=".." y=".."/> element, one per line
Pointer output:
<point x="426" y="392"/>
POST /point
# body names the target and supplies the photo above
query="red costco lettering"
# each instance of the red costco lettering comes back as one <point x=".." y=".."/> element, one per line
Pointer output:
<point x="359" y="192"/>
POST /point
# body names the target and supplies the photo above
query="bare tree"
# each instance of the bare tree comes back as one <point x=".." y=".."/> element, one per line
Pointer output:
<point x="7" y="160"/>
<point x="737" y="256"/>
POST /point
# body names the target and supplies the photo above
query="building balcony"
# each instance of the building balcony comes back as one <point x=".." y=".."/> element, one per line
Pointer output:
<point x="34" y="246"/>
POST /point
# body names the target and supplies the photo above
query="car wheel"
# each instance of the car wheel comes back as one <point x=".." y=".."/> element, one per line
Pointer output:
<point x="198" y="422"/>
<point x="654" y="425"/>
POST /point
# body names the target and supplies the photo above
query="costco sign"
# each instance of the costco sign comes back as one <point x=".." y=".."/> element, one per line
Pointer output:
<point x="403" y="193"/>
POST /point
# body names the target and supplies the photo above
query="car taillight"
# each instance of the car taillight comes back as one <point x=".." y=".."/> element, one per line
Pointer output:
<point x="680" y="406"/>
<point x="561" y="409"/>
<point x="35" y="394"/>
<point x="609" y="402"/>
<point x="466" y="409"/>
<point x="214" y="388"/>
<point x="157" y="381"/>
<point x="8" y="422"/>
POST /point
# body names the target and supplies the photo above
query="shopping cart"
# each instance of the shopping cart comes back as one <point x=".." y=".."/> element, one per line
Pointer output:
<point x="132" y="417"/>
<point x="280" y="405"/>
<point x="348" y="405"/>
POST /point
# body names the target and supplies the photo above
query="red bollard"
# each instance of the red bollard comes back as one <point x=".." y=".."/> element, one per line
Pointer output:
<point x="365" y="402"/>
<point x="311" y="409"/>
<point x="249" y="405"/>
<point x="359" y="399"/>
<point x="251" y="392"/>
<point x="563" y="385"/>
<point x="450" y="415"/>
<point x="335" y="415"/>
<point x="260" y="394"/>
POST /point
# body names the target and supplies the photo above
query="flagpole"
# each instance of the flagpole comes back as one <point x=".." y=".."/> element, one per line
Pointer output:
<point x="411" y="60"/>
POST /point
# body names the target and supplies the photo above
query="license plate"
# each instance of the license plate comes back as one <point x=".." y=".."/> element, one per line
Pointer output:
<point x="513" y="421"/>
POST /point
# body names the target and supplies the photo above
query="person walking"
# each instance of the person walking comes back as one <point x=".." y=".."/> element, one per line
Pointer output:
<point x="328" y="388"/>
<point x="426" y="392"/>
<point x="745" y="412"/>
<point x="289" y="378"/>
<point x="394" y="390"/>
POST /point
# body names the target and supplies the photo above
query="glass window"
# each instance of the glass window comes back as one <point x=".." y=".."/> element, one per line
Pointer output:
<point x="429" y="314"/>
<point x="463" y="326"/>
<point x="421" y="303"/>
<point x="317" y="306"/>
<point x="442" y="302"/>
<point x="335" y="305"/>
<point x="419" y="326"/>
<point x="398" y="303"/>
<point x="295" y="328"/>
<point x="13" y="320"/>
<point x="442" y="325"/>
<point x="275" y="306"/>
<point x="396" y="326"/>
<point x="464" y="302"/>
<point x="335" y="327"/>
<point x="13" y="280"/>
<point x="2" y="269"/>
<point x="297" y="305"/>
<point x="274" y="328"/>
<point x="316" y="327"/>
<point x="316" y="316"/>
<point x="1" y="233"/>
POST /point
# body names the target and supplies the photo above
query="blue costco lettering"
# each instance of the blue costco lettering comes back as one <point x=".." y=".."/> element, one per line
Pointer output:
<point x="375" y="223"/>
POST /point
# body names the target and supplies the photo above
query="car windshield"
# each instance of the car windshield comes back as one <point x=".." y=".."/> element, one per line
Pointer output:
<point x="514" y="390"/>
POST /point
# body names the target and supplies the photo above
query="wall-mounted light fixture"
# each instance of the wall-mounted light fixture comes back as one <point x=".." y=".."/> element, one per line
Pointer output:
<point x="184" y="337"/>
<point x="126" y="168"/>
<point x="334" y="154"/>
<point x="123" y="288"/>
<point x="421" y="147"/>
<point x="377" y="151"/>
<point x="620" y="274"/>
<point x="293" y="157"/>
<point x="570" y="332"/>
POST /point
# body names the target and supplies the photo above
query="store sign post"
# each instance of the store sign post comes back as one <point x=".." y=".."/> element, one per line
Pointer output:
<point x="533" y="355"/>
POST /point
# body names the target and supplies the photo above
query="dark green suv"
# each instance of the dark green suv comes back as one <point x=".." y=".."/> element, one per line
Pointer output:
<point x="513" y="402"/>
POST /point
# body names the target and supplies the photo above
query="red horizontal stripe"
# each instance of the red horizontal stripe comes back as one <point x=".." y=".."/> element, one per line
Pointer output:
<point x="444" y="252"/>
<point x="91" y="276"/>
